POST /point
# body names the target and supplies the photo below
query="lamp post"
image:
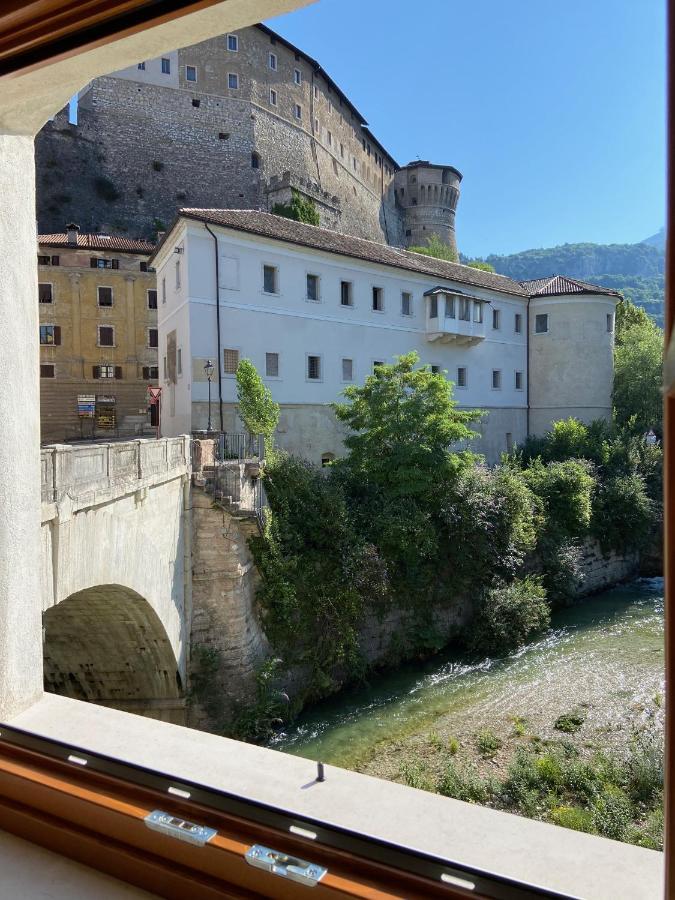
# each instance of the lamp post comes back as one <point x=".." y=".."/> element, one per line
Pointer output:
<point x="208" y="371"/>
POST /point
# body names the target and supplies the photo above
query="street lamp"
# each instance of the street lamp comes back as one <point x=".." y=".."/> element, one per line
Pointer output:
<point x="208" y="371"/>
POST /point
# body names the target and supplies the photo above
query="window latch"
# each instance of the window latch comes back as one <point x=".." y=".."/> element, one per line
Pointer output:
<point x="178" y="828"/>
<point x="284" y="865"/>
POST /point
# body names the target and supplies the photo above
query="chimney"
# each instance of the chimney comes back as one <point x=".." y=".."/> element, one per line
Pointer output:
<point x="71" y="231"/>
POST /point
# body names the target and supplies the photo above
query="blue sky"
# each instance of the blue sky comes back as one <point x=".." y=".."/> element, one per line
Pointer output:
<point x="553" y="111"/>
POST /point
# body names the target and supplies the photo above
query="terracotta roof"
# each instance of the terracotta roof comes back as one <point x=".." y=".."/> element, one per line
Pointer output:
<point x="97" y="242"/>
<point x="292" y="232"/>
<point x="561" y="284"/>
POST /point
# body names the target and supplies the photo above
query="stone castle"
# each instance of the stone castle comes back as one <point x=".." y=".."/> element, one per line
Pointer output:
<point x="238" y="121"/>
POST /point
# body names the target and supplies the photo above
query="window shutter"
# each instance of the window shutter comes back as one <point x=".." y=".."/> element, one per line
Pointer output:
<point x="146" y="373"/>
<point x="115" y="264"/>
<point x="55" y="260"/>
<point x="93" y="263"/>
<point x="57" y="335"/>
<point x="118" y="372"/>
<point x="95" y="372"/>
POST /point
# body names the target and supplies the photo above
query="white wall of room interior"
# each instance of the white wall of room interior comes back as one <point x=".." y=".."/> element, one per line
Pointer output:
<point x="569" y="862"/>
<point x="287" y="323"/>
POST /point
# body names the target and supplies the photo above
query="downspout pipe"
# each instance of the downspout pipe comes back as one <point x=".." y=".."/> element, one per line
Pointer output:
<point x="219" y="361"/>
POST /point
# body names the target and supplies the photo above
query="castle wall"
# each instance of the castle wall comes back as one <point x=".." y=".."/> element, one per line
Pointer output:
<point x="147" y="144"/>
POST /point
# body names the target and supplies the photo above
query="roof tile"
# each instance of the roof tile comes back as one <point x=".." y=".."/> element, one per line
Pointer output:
<point x="97" y="242"/>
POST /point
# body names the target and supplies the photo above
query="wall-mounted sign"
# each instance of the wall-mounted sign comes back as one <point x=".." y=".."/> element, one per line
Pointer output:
<point x="86" y="405"/>
<point x="105" y="412"/>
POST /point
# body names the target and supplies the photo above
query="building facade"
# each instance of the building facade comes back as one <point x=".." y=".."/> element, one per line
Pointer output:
<point x="238" y="121"/>
<point x="97" y="301"/>
<point x="316" y="311"/>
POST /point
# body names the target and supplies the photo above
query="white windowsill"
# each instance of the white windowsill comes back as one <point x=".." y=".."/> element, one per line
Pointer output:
<point x="570" y="862"/>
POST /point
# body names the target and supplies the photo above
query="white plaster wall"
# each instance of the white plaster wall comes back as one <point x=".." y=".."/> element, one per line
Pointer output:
<point x="571" y="366"/>
<point x="292" y="326"/>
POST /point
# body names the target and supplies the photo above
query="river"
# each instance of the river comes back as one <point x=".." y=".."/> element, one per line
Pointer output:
<point x="605" y="655"/>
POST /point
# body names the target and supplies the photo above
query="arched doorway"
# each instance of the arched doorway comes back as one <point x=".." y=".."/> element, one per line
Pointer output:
<point x="107" y="645"/>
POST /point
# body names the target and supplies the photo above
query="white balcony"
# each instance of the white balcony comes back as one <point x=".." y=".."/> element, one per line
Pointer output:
<point x="455" y="317"/>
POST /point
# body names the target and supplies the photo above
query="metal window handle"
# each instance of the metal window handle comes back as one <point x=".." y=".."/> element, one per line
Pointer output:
<point x="284" y="865"/>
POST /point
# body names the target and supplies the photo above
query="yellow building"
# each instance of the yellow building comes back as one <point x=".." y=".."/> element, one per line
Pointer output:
<point x="98" y="335"/>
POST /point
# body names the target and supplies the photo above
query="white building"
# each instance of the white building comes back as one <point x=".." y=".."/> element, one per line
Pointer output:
<point x="316" y="310"/>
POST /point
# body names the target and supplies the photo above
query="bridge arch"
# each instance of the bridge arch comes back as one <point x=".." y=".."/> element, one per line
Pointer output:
<point x="107" y="645"/>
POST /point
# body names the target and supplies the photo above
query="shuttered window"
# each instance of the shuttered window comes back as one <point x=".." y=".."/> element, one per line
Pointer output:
<point x="45" y="293"/>
<point x="272" y="365"/>
<point x="230" y="361"/>
<point x="106" y="336"/>
<point x="50" y="335"/>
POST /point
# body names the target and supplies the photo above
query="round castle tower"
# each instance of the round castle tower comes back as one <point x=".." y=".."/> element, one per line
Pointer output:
<point x="428" y="195"/>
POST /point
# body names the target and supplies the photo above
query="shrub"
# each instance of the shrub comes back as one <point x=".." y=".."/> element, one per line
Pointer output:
<point x="562" y="569"/>
<point x="573" y="817"/>
<point x="301" y="209"/>
<point x="612" y="813"/>
<point x="644" y="768"/>
<point x="519" y="726"/>
<point x="467" y="785"/>
<point x="488" y="743"/>
<point x="508" y="615"/>
<point x="416" y="776"/>
<point x="570" y="722"/>
<point x="453" y="746"/>
<point x="106" y="189"/>
<point x="565" y="489"/>
<point x="622" y="514"/>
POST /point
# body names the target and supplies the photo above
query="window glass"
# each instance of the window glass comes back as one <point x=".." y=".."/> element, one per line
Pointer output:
<point x="312" y="287"/>
<point x="496" y="319"/>
<point x="406" y="300"/>
<point x="519" y="381"/>
<point x="346" y="293"/>
<point x="105" y="296"/>
<point x="477" y="311"/>
<point x="433" y="306"/>
<point x="273" y="61"/>
<point x="46" y="370"/>
<point x="270" y="279"/>
<point x="297" y="111"/>
<point x="152" y="338"/>
<point x="45" y="293"/>
<point x="610" y="322"/>
<point x="232" y="42"/>
<point x="48" y="334"/>
<point x="496" y="379"/>
<point x="461" y="376"/>
<point x="190" y="73"/>
<point x="464" y="309"/>
<point x="166" y="66"/>
<point x="233" y="81"/>
<point x="314" y="367"/>
<point x="297" y="76"/>
<point x="273" y="97"/>
<point x="152" y="299"/>
<point x="106" y="336"/>
<point x="347" y="369"/>
<point x="541" y="323"/>
<point x="378" y="299"/>
<point x="449" y="307"/>
<point x="272" y="365"/>
<point x="518" y="323"/>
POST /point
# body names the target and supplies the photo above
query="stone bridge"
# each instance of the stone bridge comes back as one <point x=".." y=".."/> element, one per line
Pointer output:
<point x="116" y="582"/>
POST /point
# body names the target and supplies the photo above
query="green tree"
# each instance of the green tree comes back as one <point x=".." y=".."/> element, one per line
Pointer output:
<point x="257" y="409"/>
<point x="438" y="248"/>
<point x="638" y="361"/>
<point x="628" y="315"/>
<point x="301" y="209"/>
<point x="480" y="264"/>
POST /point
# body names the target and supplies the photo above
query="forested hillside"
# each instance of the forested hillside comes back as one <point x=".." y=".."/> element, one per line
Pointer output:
<point x="637" y="270"/>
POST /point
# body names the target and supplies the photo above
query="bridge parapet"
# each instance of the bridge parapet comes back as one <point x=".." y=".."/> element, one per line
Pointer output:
<point x="86" y="475"/>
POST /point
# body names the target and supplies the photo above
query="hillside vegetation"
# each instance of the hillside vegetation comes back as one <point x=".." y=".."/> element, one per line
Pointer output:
<point x="637" y="270"/>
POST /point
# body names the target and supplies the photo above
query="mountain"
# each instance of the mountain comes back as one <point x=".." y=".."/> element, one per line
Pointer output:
<point x="637" y="270"/>
<point x="658" y="239"/>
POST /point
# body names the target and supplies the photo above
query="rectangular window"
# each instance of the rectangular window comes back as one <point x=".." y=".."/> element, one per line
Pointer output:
<point x="165" y="369"/>
<point x="449" y="307"/>
<point x="232" y="81"/>
<point x="143" y="266"/>
<point x="316" y="92"/>
<point x="378" y="299"/>
<point x="496" y="319"/>
<point x="177" y="274"/>
<point x="347" y="369"/>
<point x="273" y="97"/>
<point x="435" y="370"/>
<point x="342" y="151"/>
<point x="196" y="103"/>
<point x="97" y="262"/>
<point x="541" y="323"/>
<point x="43" y="260"/>
<point x="477" y="311"/>
<point x="518" y="323"/>
<point x="179" y="360"/>
<point x="464" y="309"/>
<point x="106" y="336"/>
<point x="141" y="66"/>
<point x="46" y="370"/>
<point x="272" y="365"/>
<point x="406" y="303"/>
<point x="314" y="368"/>
<point x="104" y="296"/>
<point x="163" y="290"/>
<point x="610" y="322"/>
<point x="461" y="376"/>
<point x="232" y="42"/>
<point x="273" y="61"/>
<point x="166" y="66"/>
<point x="433" y="306"/>
<point x="152" y="338"/>
<point x="317" y="127"/>
<point x="152" y="299"/>
<point x="297" y="111"/>
<point x="50" y="335"/>
<point x="190" y="73"/>
<point x="329" y="138"/>
<point x="230" y="361"/>
<point x="105" y="371"/>
<point x="346" y="297"/>
<point x="496" y="379"/>
<point x="519" y="381"/>
<point x="150" y="373"/>
<point x="45" y="293"/>
<point x="313" y="287"/>
<point x="297" y="76"/>
<point x="270" y="285"/>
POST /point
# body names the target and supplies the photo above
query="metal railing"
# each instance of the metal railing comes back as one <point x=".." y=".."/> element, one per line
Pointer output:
<point x="240" y="445"/>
